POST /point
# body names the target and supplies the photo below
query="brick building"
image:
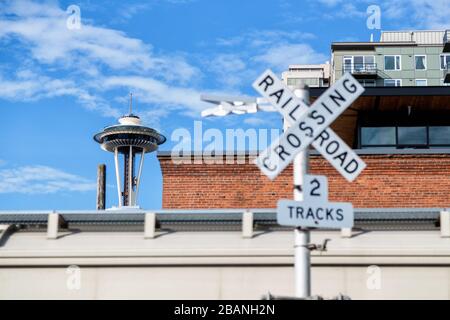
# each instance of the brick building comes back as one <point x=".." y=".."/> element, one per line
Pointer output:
<point x="402" y="133"/>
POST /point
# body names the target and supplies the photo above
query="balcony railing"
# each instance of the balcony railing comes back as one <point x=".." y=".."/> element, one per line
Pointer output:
<point x="447" y="41"/>
<point x="361" y="69"/>
<point x="447" y="73"/>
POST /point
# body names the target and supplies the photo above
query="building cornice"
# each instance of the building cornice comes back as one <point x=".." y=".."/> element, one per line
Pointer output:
<point x="394" y="91"/>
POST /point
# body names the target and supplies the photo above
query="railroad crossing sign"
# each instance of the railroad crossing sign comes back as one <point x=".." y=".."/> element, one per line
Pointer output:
<point x="315" y="210"/>
<point x="309" y="125"/>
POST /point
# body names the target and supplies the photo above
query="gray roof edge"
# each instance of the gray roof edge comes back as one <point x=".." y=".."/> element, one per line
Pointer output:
<point x="199" y="212"/>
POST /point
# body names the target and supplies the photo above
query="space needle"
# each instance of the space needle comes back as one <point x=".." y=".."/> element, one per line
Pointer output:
<point x="129" y="138"/>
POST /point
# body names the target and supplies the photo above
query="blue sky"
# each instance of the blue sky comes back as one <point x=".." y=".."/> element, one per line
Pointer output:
<point x="58" y="87"/>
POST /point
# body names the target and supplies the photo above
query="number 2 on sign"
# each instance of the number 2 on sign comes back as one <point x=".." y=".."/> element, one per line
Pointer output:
<point x="315" y="188"/>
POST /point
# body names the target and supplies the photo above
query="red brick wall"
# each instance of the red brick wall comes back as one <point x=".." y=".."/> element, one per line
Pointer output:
<point x="388" y="181"/>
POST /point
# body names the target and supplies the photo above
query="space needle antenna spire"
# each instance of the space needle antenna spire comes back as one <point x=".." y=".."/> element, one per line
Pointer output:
<point x="131" y="102"/>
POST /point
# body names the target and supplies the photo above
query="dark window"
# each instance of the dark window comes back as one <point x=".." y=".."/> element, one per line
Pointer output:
<point x="391" y="62"/>
<point x="421" y="62"/>
<point x="412" y="136"/>
<point x="439" y="135"/>
<point x="373" y="136"/>
<point x="405" y="137"/>
<point x="445" y="61"/>
<point x="403" y="128"/>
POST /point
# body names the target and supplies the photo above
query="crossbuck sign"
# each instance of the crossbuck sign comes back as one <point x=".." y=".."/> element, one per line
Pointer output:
<point x="309" y="125"/>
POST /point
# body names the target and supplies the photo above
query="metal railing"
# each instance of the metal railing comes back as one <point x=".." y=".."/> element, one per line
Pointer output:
<point x="446" y="73"/>
<point x="216" y="219"/>
<point x="361" y="68"/>
<point x="446" y="41"/>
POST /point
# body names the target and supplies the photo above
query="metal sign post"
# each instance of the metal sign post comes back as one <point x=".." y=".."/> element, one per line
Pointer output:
<point x="304" y="126"/>
<point x="302" y="254"/>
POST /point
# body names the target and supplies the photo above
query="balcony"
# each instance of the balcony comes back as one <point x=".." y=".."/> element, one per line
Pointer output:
<point x="446" y="75"/>
<point x="447" y="41"/>
<point x="362" y="70"/>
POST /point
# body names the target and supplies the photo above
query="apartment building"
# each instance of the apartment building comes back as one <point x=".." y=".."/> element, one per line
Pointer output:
<point x="399" y="59"/>
<point x="446" y="51"/>
<point x="314" y="75"/>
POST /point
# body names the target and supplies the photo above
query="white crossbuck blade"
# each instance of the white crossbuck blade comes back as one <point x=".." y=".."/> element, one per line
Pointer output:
<point x="309" y="125"/>
<point x="226" y="108"/>
<point x="236" y="105"/>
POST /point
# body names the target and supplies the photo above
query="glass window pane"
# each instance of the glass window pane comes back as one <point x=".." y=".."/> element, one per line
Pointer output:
<point x="412" y="135"/>
<point x="377" y="135"/>
<point x="392" y="82"/>
<point x="445" y="61"/>
<point x="368" y="59"/>
<point x="440" y="135"/>
<point x="421" y="82"/>
<point x="397" y="62"/>
<point x="389" y="62"/>
<point x="311" y="81"/>
<point x="347" y="64"/>
<point x="358" y="62"/>
<point x="420" y="62"/>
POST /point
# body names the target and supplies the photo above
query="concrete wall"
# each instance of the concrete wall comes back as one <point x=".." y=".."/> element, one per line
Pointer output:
<point x="221" y="265"/>
<point x="240" y="282"/>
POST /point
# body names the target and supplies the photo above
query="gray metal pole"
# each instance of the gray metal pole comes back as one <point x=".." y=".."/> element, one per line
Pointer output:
<point x="101" y="186"/>
<point x="116" y="162"/>
<point x="130" y="178"/>
<point x="302" y="255"/>
<point x="138" y="182"/>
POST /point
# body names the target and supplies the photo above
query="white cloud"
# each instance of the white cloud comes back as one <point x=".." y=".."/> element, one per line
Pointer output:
<point x="350" y="10"/>
<point x="129" y="10"/>
<point x="280" y="56"/>
<point x="258" y="121"/>
<point x="63" y="62"/>
<point x="29" y="86"/>
<point x="153" y="91"/>
<point x="228" y="68"/>
<point x="432" y="14"/>
<point x="94" y="63"/>
<point x="410" y="14"/>
<point x="42" y="180"/>
<point x="253" y="51"/>
<point x="46" y="35"/>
